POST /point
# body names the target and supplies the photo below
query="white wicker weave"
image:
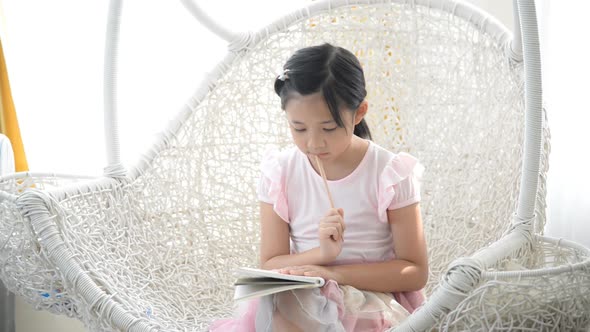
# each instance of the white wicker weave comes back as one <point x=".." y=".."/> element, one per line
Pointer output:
<point x="153" y="247"/>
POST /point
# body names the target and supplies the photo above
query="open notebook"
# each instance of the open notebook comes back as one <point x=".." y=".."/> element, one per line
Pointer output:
<point x="253" y="283"/>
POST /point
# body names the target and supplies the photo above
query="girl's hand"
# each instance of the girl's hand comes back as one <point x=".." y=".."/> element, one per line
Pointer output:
<point x="330" y="233"/>
<point x="311" y="271"/>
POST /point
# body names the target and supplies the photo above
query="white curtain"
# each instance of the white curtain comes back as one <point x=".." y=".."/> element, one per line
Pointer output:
<point x="566" y="70"/>
<point x="54" y="52"/>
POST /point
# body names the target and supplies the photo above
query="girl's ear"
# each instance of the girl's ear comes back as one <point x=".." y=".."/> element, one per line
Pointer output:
<point x="360" y="112"/>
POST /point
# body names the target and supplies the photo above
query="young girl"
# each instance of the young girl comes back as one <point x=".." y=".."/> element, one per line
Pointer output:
<point x="370" y="248"/>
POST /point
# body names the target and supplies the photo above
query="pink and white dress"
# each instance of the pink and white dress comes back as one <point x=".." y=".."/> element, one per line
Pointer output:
<point x="382" y="181"/>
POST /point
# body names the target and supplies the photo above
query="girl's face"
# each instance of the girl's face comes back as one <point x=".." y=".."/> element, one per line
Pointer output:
<point x="314" y="130"/>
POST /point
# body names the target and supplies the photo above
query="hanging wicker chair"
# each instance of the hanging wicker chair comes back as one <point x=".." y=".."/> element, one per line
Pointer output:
<point x="153" y="247"/>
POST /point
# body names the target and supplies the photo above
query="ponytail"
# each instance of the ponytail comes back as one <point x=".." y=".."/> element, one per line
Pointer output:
<point x="362" y="130"/>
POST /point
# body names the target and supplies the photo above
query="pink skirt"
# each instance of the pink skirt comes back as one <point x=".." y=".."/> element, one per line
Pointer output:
<point x="330" y="308"/>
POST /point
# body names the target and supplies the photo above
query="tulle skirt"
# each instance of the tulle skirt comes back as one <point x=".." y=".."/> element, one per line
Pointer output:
<point x="330" y="308"/>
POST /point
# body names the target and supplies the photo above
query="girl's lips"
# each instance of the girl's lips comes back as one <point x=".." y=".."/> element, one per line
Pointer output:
<point x="319" y="155"/>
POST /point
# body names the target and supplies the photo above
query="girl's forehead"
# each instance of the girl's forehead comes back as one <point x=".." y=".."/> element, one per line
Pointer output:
<point x="297" y="100"/>
<point x="308" y="108"/>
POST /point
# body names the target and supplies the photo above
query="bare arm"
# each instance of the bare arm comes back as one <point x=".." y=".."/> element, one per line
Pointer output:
<point x="409" y="271"/>
<point x="275" y="245"/>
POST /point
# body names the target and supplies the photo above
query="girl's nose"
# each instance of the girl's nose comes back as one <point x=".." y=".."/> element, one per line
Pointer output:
<point x="316" y="142"/>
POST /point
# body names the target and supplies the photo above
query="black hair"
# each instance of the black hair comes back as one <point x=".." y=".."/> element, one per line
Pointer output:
<point x="331" y="70"/>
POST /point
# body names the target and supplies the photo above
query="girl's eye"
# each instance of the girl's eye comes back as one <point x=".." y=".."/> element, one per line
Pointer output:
<point x="299" y="130"/>
<point x="330" y="129"/>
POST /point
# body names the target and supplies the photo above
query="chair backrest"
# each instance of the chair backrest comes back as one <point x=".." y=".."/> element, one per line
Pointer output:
<point x="438" y="87"/>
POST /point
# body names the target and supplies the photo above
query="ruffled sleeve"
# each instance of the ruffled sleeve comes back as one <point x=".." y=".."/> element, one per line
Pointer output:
<point x="399" y="184"/>
<point x="271" y="185"/>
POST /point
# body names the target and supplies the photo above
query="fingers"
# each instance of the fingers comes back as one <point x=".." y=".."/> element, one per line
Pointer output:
<point x="335" y="212"/>
<point x="334" y="219"/>
<point x="294" y="270"/>
<point x="303" y="270"/>
<point x="329" y="231"/>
